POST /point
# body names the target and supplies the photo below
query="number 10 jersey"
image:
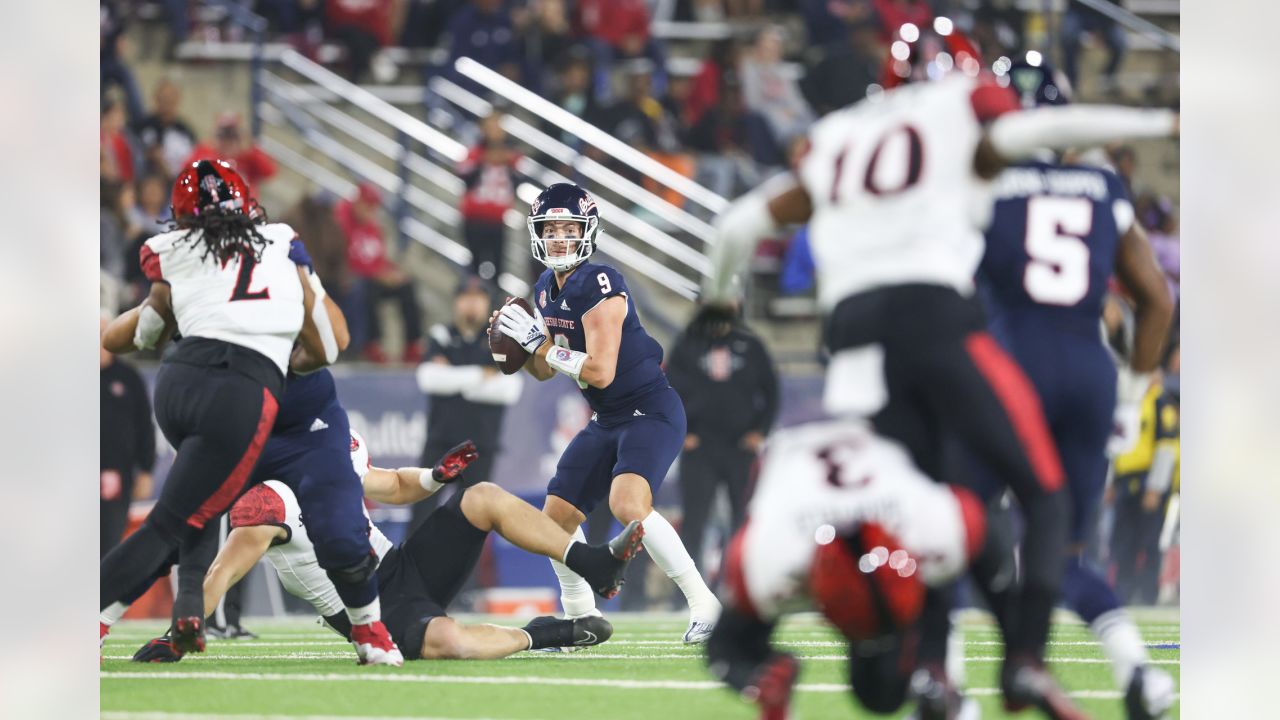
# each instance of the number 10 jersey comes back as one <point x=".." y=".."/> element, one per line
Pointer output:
<point x="895" y="198"/>
<point x="257" y="305"/>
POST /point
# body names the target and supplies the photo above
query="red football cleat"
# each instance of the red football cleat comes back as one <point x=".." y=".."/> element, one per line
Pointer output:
<point x="374" y="645"/>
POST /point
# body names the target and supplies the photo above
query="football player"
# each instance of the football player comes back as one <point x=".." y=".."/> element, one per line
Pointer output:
<point x="1057" y="235"/>
<point x="896" y="192"/>
<point x="586" y="327"/>
<point x="418" y="578"/>
<point x="841" y="520"/>
<point x="226" y="282"/>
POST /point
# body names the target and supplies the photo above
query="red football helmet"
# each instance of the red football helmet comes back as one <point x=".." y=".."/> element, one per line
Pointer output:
<point x="866" y="585"/>
<point x="207" y="185"/>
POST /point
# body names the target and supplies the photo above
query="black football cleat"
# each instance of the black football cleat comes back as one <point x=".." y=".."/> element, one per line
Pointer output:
<point x="624" y="547"/>
<point x="1027" y="683"/>
<point x="1150" y="694"/>
<point x="158" y="650"/>
<point x="188" y="634"/>
<point x="591" y="630"/>
<point x="565" y="635"/>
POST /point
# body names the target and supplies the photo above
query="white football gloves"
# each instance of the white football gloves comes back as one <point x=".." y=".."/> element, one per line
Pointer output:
<point x="1131" y="388"/>
<point x="517" y="324"/>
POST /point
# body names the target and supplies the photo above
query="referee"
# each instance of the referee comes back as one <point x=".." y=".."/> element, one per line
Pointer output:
<point x="726" y="378"/>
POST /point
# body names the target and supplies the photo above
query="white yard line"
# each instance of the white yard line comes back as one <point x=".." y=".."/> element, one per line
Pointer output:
<point x="156" y="715"/>
<point x="588" y="656"/>
<point x="523" y="680"/>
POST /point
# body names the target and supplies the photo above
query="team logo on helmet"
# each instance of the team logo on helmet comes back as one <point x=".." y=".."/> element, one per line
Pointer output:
<point x="537" y="204"/>
<point x="542" y="298"/>
<point x="586" y="204"/>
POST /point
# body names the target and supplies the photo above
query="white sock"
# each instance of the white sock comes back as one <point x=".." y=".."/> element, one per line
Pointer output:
<point x="664" y="545"/>
<point x="575" y="594"/>
<point x="955" y="653"/>
<point x="364" y="615"/>
<point x="1121" y="643"/>
<point x="112" y="613"/>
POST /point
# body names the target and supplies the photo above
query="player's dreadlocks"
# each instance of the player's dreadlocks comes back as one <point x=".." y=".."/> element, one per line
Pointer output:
<point x="225" y="233"/>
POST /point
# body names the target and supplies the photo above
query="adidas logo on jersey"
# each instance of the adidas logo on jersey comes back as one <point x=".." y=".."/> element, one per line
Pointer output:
<point x="319" y="425"/>
<point x="637" y="413"/>
<point x="564" y="304"/>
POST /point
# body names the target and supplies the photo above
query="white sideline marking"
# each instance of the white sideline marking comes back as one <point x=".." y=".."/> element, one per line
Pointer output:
<point x="525" y="680"/>
<point x="258" y="644"/>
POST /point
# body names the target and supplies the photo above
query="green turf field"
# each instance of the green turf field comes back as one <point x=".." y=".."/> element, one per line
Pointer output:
<point x="297" y="669"/>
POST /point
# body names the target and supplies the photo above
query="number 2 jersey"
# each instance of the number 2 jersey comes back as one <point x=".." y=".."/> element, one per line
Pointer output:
<point x="895" y="197"/>
<point x="257" y="305"/>
<point x="639" y="370"/>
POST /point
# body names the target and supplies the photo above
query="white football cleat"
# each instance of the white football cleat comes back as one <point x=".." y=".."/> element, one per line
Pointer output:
<point x="374" y="645"/>
<point x="1150" y="694"/>
<point x="698" y="632"/>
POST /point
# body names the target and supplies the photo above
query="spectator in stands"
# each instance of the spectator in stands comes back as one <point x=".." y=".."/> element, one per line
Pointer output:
<point x="113" y="226"/>
<point x="705" y="94"/>
<point x="730" y="391"/>
<point x="1077" y="20"/>
<point x="127" y="444"/>
<point x="483" y="31"/>
<point x="574" y="92"/>
<point x="231" y="144"/>
<point x="1124" y="159"/>
<point x="363" y="27"/>
<point x="828" y="22"/>
<point x="313" y="217"/>
<point x="998" y="29"/>
<point x="491" y="177"/>
<point x="843" y="72"/>
<point x="113" y="45"/>
<point x="1156" y="214"/>
<point x="116" y="145"/>
<point x="638" y="118"/>
<point x="377" y="279"/>
<point x="676" y="104"/>
<point x="732" y="141"/>
<point x="769" y="89"/>
<point x="167" y="140"/>
<point x="149" y="216"/>
<point x="619" y="29"/>
<point x="546" y="39"/>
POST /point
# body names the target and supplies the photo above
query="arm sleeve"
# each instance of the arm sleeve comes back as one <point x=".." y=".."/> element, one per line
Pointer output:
<point x="298" y="254"/>
<point x="1017" y="135"/>
<point x="495" y="390"/>
<point x="146" y="441"/>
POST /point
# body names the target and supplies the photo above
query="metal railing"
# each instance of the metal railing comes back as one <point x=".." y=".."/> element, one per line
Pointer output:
<point x="1147" y="29"/>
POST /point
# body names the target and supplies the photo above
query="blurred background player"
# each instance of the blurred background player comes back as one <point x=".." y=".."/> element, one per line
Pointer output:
<point x="467" y="396"/>
<point x="420" y="576"/>
<point x="729" y="387"/>
<point x="586" y="327"/>
<point x="895" y="193"/>
<point x="844" y="523"/>
<point x="228" y="284"/>
<point x="1057" y="235"/>
<point x="128" y="444"/>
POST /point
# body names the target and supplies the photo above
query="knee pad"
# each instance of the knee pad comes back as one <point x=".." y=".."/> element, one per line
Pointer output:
<point x="358" y="573"/>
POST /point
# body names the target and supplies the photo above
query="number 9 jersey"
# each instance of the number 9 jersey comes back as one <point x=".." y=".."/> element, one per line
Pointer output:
<point x="894" y="193"/>
<point x="257" y="305"/>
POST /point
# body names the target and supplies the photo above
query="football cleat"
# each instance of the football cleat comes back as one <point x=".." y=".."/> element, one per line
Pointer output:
<point x="698" y="632"/>
<point x="579" y="633"/>
<point x="1150" y="694"/>
<point x="158" y="650"/>
<point x="624" y="547"/>
<point x="771" y="687"/>
<point x="937" y="699"/>
<point x="374" y="645"/>
<point x="188" y="634"/>
<point x="1026" y="683"/>
<point x="230" y="632"/>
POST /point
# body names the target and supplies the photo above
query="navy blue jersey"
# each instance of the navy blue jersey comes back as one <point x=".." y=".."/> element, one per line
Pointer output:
<point x="639" y="370"/>
<point x="1051" y="245"/>
<point x="305" y="398"/>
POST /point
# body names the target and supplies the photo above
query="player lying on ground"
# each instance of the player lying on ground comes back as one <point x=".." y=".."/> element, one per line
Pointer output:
<point x="585" y="326"/>
<point x="1058" y="234"/>
<point x="842" y="521"/>
<point x="420" y="577"/>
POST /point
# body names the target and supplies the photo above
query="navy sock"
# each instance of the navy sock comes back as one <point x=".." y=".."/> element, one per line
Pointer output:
<point x="356" y="594"/>
<point x="1085" y="591"/>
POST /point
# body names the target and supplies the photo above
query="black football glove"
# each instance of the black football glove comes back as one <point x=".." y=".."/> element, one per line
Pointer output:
<point x="449" y="467"/>
<point x="159" y="650"/>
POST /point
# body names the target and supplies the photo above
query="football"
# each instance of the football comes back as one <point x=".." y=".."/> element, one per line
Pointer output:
<point x="508" y="353"/>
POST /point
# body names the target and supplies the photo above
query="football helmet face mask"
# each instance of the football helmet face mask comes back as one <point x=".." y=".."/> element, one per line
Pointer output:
<point x="211" y="185"/>
<point x="866" y="584"/>
<point x="563" y="202"/>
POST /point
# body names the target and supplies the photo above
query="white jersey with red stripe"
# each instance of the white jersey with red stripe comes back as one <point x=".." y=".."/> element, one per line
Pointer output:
<point x="294" y="558"/>
<point x="254" y="304"/>
<point x="822" y="480"/>
<point x="895" y="198"/>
